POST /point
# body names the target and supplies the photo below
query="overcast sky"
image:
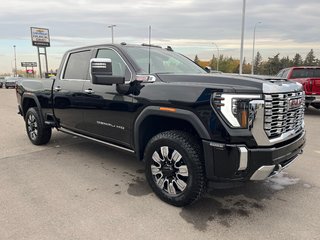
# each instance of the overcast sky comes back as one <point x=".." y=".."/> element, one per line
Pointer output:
<point x="189" y="26"/>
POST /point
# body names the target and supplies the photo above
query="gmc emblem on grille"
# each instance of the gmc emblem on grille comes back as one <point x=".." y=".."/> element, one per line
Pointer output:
<point x="295" y="103"/>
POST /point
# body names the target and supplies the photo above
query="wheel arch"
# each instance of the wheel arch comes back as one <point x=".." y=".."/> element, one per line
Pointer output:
<point x="152" y="121"/>
<point x="30" y="100"/>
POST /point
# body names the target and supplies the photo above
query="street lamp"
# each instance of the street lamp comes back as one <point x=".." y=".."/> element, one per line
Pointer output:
<point x="112" y="26"/>
<point x="254" y="42"/>
<point x="218" y="55"/>
<point x="15" y="61"/>
<point x="242" y="35"/>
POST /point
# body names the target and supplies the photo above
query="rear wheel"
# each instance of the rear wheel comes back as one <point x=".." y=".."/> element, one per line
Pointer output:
<point x="37" y="131"/>
<point x="174" y="168"/>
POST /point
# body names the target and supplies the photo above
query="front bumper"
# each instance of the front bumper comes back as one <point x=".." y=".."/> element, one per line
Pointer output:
<point x="236" y="162"/>
<point x="312" y="98"/>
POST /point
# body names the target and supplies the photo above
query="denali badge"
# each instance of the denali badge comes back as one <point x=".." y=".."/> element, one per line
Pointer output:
<point x="295" y="103"/>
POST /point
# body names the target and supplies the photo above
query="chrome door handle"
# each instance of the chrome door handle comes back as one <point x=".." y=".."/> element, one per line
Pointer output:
<point x="89" y="91"/>
<point x="57" y="88"/>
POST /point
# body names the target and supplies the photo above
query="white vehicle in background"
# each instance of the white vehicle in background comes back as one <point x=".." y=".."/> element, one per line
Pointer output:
<point x="10" y="82"/>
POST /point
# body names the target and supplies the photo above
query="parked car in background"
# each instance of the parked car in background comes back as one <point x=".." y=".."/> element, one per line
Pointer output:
<point x="309" y="77"/>
<point x="1" y="81"/>
<point x="10" y="82"/>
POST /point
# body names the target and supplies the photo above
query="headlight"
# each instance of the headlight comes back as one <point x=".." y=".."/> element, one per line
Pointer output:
<point x="235" y="108"/>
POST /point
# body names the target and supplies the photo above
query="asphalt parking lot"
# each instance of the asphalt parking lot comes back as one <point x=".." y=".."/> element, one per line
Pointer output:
<point x="76" y="189"/>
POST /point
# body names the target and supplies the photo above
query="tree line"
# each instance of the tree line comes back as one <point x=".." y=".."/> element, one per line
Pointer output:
<point x="262" y="67"/>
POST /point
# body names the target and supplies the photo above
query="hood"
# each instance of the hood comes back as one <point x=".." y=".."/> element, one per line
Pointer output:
<point x="239" y="83"/>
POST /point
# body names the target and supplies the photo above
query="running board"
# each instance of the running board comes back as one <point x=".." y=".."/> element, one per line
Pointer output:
<point x="95" y="140"/>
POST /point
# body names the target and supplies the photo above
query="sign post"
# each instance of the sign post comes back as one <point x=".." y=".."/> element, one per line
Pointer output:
<point x="41" y="39"/>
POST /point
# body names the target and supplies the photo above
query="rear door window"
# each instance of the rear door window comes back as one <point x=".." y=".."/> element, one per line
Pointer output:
<point x="77" y="65"/>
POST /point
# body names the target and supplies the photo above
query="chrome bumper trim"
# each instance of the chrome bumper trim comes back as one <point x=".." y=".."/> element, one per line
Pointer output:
<point x="243" y="162"/>
<point x="262" y="173"/>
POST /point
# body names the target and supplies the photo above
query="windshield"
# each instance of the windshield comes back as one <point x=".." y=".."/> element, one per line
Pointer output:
<point x="306" y="73"/>
<point x="162" y="61"/>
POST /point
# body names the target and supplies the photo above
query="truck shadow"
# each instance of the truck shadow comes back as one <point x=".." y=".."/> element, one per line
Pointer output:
<point x="224" y="207"/>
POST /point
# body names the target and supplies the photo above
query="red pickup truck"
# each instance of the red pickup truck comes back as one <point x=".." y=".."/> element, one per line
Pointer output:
<point x="309" y="77"/>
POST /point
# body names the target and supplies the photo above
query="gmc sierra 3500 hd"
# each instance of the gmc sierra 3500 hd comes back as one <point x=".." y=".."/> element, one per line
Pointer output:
<point x="192" y="129"/>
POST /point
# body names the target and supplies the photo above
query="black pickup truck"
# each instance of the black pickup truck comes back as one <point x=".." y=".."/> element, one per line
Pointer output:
<point x="192" y="129"/>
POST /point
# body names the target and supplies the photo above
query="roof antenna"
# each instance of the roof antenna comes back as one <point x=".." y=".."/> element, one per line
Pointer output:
<point x="149" y="49"/>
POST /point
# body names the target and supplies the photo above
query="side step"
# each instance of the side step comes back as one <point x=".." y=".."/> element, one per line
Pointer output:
<point x="94" y="139"/>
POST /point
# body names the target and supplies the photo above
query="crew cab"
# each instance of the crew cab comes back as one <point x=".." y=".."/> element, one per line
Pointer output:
<point x="193" y="130"/>
<point x="309" y="77"/>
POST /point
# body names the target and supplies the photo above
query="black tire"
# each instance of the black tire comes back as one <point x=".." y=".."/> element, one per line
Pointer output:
<point x="177" y="177"/>
<point x="38" y="132"/>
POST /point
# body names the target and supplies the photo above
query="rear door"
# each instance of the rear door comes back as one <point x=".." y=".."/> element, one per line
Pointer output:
<point x="68" y="96"/>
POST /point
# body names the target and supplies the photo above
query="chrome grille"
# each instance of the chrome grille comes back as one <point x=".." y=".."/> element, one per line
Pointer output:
<point x="281" y="115"/>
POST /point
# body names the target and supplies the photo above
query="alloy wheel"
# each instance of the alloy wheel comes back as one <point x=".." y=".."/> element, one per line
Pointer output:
<point x="169" y="170"/>
<point x="32" y="126"/>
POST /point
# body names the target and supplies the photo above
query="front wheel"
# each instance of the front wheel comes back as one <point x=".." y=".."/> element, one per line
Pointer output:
<point x="37" y="131"/>
<point x="174" y="168"/>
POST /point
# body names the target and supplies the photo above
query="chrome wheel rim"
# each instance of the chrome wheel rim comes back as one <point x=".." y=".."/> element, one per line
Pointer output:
<point x="32" y="127"/>
<point x="169" y="170"/>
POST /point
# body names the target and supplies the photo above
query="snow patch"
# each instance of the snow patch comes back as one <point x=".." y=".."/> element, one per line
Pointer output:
<point x="280" y="181"/>
<point x="306" y="185"/>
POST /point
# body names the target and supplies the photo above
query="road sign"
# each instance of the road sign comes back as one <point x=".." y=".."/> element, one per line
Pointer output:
<point x="28" y="64"/>
<point x="29" y="71"/>
<point x="40" y="37"/>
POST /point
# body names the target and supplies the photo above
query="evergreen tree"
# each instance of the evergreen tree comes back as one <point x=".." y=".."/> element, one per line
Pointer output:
<point x="310" y="59"/>
<point x="196" y="59"/>
<point x="273" y="65"/>
<point x="213" y="62"/>
<point x="297" y="60"/>
<point x="285" y="62"/>
<point x="257" y="63"/>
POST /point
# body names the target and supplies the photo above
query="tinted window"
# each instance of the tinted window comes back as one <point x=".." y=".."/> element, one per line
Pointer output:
<point x="306" y="73"/>
<point x="162" y="61"/>
<point x="119" y="68"/>
<point x="280" y="73"/>
<point x="285" y="73"/>
<point x="78" y="65"/>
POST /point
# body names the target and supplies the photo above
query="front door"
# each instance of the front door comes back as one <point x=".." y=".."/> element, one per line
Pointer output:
<point x="108" y="114"/>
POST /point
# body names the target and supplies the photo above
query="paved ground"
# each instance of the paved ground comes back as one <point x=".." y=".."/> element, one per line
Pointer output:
<point x="75" y="189"/>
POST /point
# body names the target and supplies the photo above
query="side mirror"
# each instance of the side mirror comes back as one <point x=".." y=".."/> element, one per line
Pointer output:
<point x="101" y="72"/>
<point x="207" y="69"/>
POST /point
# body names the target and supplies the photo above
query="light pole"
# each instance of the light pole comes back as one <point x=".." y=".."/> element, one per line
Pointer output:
<point x="112" y="26"/>
<point x="15" y="60"/>
<point x="218" y="55"/>
<point x="254" y="42"/>
<point x="242" y="34"/>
